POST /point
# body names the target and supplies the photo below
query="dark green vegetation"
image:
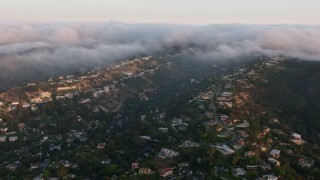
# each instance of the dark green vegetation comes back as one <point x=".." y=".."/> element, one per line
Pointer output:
<point x="293" y="94"/>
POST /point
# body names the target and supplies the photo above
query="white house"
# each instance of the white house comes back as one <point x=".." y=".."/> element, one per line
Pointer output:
<point x="239" y="172"/>
<point x="167" y="153"/>
<point x="275" y="153"/>
<point x="13" y="138"/>
<point x="270" y="177"/>
<point x="296" y="138"/>
<point x="3" y="138"/>
<point x="45" y="95"/>
<point x="274" y="161"/>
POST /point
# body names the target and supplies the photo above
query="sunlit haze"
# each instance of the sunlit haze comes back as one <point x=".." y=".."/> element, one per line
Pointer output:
<point x="165" y="11"/>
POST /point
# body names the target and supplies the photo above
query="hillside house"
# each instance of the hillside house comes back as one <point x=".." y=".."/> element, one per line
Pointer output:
<point x="249" y="154"/>
<point x="274" y="153"/>
<point x="101" y="145"/>
<point x="189" y="143"/>
<point x="97" y="93"/>
<point x="164" y="172"/>
<point x="223" y="117"/>
<point x="134" y="166"/>
<point x="226" y="94"/>
<point x="67" y="88"/>
<point x="167" y="153"/>
<point x="226" y="150"/>
<point x="296" y="138"/>
<point x="306" y="162"/>
<point x="228" y="104"/>
<point x="239" y="172"/>
<point x="265" y="166"/>
<point x="26" y="105"/>
<point x="15" y="104"/>
<point x="45" y="95"/>
<point x="270" y="177"/>
<point x="3" y="130"/>
<point x="36" y="100"/>
<point x="22" y="126"/>
<point x="3" y="138"/>
<point x="274" y="161"/>
<point x="106" y="89"/>
<point x="13" y="138"/>
<point x="245" y="124"/>
<point x="146" y="171"/>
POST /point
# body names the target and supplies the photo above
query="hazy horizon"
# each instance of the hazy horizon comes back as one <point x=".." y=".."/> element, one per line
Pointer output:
<point x="200" y="12"/>
<point x="51" y="37"/>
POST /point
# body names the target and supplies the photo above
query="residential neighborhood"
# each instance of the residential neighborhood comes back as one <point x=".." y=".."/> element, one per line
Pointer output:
<point x="206" y="128"/>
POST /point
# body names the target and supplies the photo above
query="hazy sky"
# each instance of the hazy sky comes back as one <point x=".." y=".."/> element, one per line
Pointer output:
<point x="164" y="11"/>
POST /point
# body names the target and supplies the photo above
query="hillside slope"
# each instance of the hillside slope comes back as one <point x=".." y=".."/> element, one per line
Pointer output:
<point x="292" y="94"/>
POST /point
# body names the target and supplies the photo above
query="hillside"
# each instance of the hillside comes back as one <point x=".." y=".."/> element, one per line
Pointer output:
<point x="163" y="116"/>
<point x="293" y="94"/>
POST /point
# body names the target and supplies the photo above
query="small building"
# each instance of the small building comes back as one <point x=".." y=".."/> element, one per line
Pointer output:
<point x="67" y="88"/>
<point x="306" y="162"/>
<point x="167" y="153"/>
<point x="164" y="172"/>
<point x="245" y="124"/>
<point x="274" y="153"/>
<point x="163" y="129"/>
<point x="252" y="167"/>
<point x="223" y="117"/>
<point x="249" y="154"/>
<point x="13" y="166"/>
<point x="34" y="166"/>
<point x="239" y="172"/>
<point x="226" y="94"/>
<point x="36" y="100"/>
<point x="106" y="89"/>
<point x="45" y="95"/>
<point x="146" y="171"/>
<point x="226" y="150"/>
<point x="270" y="177"/>
<point x="15" y="103"/>
<point x="265" y="166"/>
<point x="3" y="130"/>
<point x="3" y="138"/>
<point x="22" y="126"/>
<point x="274" y="161"/>
<point x="189" y="143"/>
<point x="228" y="104"/>
<point x="26" y="105"/>
<point x="34" y="107"/>
<point x="134" y="165"/>
<point x="13" y="138"/>
<point x="296" y="138"/>
<point x="274" y="121"/>
<point x="101" y="145"/>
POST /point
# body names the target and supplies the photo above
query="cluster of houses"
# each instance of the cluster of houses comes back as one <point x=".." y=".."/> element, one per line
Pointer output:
<point x="167" y="153"/>
<point x="164" y="172"/>
<point x="65" y="87"/>
<point x="179" y="125"/>
<point x="9" y="138"/>
<point x="225" y="99"/>
<point x="229" y="128"/>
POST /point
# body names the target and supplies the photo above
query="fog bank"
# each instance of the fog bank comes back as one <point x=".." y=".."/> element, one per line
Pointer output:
<point x="32" y="49"/>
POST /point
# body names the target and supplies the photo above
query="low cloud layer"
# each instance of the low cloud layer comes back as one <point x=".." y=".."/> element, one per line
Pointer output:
<point x="49" y="49"/>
